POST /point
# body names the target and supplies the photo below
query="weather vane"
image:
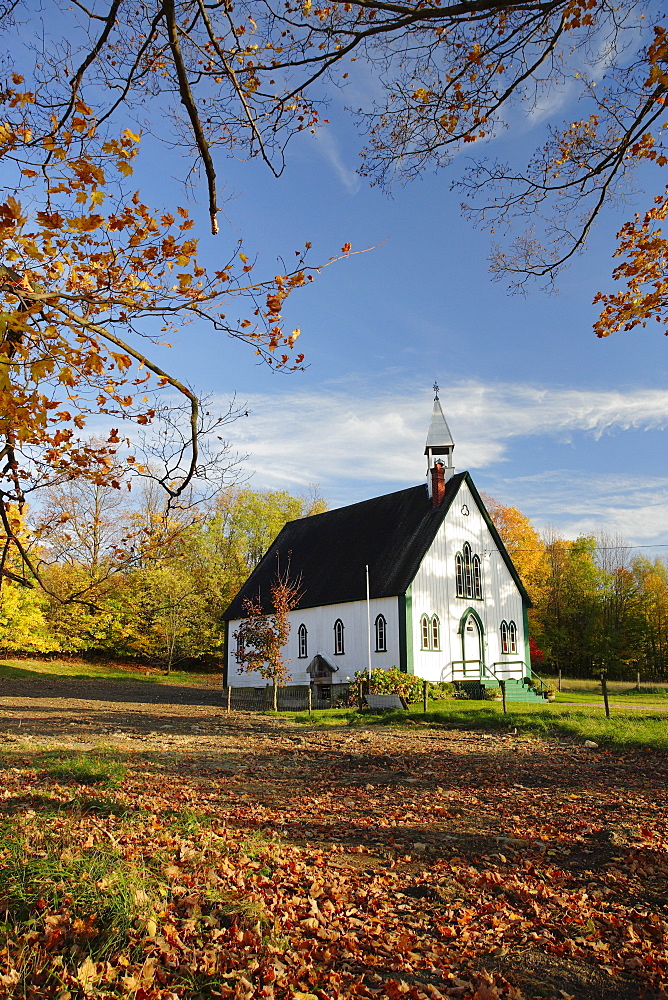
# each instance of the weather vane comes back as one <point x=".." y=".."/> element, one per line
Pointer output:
<point x="436" y="389"/>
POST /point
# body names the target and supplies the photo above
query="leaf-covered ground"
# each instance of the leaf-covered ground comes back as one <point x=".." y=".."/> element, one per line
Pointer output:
<point x="242" y="857"/>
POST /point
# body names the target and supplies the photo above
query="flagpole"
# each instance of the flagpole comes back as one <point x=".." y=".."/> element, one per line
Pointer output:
<point x="368" y="621"/>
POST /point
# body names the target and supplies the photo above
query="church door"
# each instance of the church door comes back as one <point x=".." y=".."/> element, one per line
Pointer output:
<point x="472" y="647"/>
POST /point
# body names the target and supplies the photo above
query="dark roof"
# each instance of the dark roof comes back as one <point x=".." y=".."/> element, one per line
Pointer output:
<point x="328" y="552"/>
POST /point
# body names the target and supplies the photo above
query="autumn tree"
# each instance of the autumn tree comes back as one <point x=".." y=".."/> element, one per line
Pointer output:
<point x="652" y="578"/>
<point x="524" y="544"/>
<point x="245" y="78"/>
<point x="261" y="638"/>
<point x="229" y="544"/>
<point x="91" y="271"/>
<point x="171" y="620"/>
<point x="82" y="521"/>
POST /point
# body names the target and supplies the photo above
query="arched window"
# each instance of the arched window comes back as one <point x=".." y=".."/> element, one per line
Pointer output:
<point x="477" y="578"/>
<point x="468" y="576"/>
<point x="435" y="632"/>
<point x="424" y="629"/>
<point x="302" y="640"/>
<point x="381" y="634"/>
<point x="459" y="569"/>
<point x="504" y="637"/>
<point x="339" y="647"/>
<point x="512" y="637"/>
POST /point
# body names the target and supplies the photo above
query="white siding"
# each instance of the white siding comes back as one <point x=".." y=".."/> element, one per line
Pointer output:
<point x="319" y="623"/>
<point x="434" y="592"/>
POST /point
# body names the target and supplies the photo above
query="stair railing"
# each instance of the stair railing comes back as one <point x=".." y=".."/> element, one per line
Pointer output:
<point x="474" y="674"/>
<point x="544" y="688"/>
<point x="507" y="663"/>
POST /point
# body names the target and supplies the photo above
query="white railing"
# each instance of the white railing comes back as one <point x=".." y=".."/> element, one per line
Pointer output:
<point x="504" y="670"/>
<point x="476" y="670"/>
<point x="466" y="670"/>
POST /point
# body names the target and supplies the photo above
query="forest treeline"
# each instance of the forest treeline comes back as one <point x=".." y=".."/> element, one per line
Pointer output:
<point x="125" y="580"/>
<point x="597" y="604"/>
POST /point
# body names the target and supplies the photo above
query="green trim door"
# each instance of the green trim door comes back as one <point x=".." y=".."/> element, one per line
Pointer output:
<point x="472" y="633"/>
<point x="405" y="612"/>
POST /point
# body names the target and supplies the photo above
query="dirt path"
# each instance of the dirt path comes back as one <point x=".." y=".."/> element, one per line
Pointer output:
<point x="418" y="863"/>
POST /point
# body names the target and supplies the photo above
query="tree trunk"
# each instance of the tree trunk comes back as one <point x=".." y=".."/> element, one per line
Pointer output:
<point x="275" y="693"/>
<point x="604" y="685"/>
<point x="502" y="685"/>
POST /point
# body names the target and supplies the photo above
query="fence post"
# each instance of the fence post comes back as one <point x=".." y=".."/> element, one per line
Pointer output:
<point x="604" y="685"/>
<point x="559" y="681"/>
<point x="229" y="699"/>
<point x="310" y="701"/>
<point x="638" y="681"/>
<point x="502" y="685"/>
<point x="425" y="687"/>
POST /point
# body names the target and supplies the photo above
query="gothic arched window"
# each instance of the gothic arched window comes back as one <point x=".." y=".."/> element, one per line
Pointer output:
<point x="302" y="641"/>
<point x="468" y="575"/>
<point x="339" y="648"/>
<point x="504" y="637"/>
<point x="424" y="631"/>
<point x="459" y="569"/>
<point x="477" y="578"/>
<point x="381" y="634"/>
<point x="435" y="632"/>
<point x="512" y="637"/>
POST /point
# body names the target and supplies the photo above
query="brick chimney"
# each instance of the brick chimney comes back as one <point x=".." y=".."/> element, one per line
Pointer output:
<point x="437" y="483"/>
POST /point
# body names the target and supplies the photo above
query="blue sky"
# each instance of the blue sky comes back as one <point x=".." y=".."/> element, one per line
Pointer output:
<point x="569" y="428"/>
<point x="546" y="417"/>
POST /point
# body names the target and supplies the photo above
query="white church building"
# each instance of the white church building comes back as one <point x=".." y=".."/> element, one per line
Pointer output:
<point x="417" y="579"/>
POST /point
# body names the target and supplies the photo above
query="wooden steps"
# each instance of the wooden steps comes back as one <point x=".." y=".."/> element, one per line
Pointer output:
<point x="516" y="690"/>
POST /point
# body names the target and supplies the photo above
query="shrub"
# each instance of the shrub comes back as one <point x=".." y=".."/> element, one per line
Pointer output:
<point x="407" y="686"/>
<point x="393" y="681"/>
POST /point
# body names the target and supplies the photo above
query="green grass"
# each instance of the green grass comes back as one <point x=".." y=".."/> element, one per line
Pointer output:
<point x="105" y="896"/>
<point x="94" y="768"/>
<point x="186" y="821"/>
<point x="616" y="689"/>
<point x="646" y="696"/>
<point x="32" y="669"/>
<point x="630" y="729"/>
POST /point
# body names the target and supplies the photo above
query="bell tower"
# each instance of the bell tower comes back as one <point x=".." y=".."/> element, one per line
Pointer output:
<point x="439" y="446"/>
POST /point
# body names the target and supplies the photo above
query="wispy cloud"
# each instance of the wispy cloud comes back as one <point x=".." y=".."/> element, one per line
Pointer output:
<point x="329" y="148"/>
<point x="582" y="504"/>
<point x="356" y="442"/>
<point x="349" y="431"/>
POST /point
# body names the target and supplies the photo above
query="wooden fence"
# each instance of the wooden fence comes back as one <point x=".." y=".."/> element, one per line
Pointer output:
<point x="294" y="698"/>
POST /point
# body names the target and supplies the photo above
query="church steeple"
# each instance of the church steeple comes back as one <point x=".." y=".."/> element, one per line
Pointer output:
<point x="439" y="446"/>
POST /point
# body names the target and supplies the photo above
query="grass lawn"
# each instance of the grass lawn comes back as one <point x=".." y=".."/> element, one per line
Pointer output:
<point x="646" y="696"/>
<point x="31" y="669"/>
<point x="576" y="689"/>
<point x="630" y="728"/>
